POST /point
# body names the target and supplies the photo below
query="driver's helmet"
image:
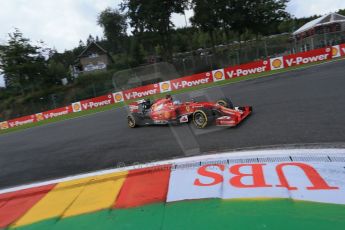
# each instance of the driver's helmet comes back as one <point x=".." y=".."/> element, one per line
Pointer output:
<point x="147" y="104"/>
<point x="177" y="102"/>
<point x="168" y="97"/>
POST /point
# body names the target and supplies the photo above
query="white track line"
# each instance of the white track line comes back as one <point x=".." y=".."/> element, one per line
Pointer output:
<point x="256" y="153"/>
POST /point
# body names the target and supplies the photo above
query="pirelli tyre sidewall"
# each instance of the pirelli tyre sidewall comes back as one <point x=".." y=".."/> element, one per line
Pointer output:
<point x="202" y="118"/>
<point x="132" y="121"/>
<point x="226" y="102"/>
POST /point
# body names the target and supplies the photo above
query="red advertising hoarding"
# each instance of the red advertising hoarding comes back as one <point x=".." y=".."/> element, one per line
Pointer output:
<point x="143" y="91"/>
<point x="308" y="57"/>
<point x="247" y="69"/>
<point x="21" y="121"/>
<point x="342" y="49"/>
<point x="97" y="102"/>
<point x="190" y="81"/>
<point x="54" y="113"/>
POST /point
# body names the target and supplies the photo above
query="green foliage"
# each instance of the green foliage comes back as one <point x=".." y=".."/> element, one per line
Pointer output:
<point x="23" y="64"/>
<point x="260" y="17"/>
<point x="265" y="15"/>
<point x="114" y="26"/>
<point x="56" y="72"/>
<point x="137" y="52"/>
<point x="154" y="16"/>
<point x="205" y="15"/>
<point x="342" y="12"/>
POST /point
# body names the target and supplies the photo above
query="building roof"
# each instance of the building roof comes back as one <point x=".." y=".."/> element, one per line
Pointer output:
<point x="324" y="20"/>
<point x="88" y="47"/>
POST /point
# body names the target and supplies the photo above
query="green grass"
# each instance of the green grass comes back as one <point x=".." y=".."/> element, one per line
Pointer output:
<point x="185" y="90"/>
<point x="282" y="214"/>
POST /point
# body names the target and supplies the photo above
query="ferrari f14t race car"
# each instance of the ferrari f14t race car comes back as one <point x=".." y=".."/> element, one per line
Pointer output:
<point x="202" y="114"/>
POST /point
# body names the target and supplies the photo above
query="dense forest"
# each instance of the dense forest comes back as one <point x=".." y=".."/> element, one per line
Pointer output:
<point x="33" y="74"/>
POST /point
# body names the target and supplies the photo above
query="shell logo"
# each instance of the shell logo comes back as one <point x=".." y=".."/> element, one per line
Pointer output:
<point x="167" y="115"/>
<point x="76" y="107"/>
<point x="4" y="125"/>
<point x="118" y="97"/>
<point x="165" y="86"/>
<point x="218" y="75"/>
<point x="39" y="117"/>
<point x="187" y="108"/>
<point x="335" y="51"/>
<point x="277" y="63"/>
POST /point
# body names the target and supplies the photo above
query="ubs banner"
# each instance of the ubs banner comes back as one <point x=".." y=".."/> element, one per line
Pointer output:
<point x="315" y="179"/>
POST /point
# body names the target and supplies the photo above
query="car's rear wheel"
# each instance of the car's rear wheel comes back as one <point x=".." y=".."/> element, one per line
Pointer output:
<point x="225" y="102"/>
<point x="202" y="118"/>
<point x="132" y="121"/>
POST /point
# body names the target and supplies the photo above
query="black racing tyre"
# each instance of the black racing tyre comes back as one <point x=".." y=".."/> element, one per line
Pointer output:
<point x="226" y="102"/>
<point x="202" y="118"/>
<point x="132" y="120"/>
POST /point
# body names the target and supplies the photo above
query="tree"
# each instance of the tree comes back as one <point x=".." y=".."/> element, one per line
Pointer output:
<point x="233" y="16"/>
<point x="342" y="12"/>
<point x="55" y="73"/>
<point x="154" y="16"/>
<point x="263" y="15"/>
<point x="23" y="64"/>
<point x="137" y="53"/>
<point x="114" y="26"/>
<point x="81" y="43"/>
<point x="226" y="15"/>
<point x="206" y="17"/>
<point x="90" y="40"/>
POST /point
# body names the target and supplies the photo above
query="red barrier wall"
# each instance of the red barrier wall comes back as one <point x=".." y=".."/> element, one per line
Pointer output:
<point x="54" y="113"/>
<point x="190" y="81"/>
<point x="342" y="47"/>
<point x="142" y="91"/>
<point x="21" y="121"/>
<point x="308" y="57"/>
<point x="247" y="69"/>
<point x="97" y="102"/>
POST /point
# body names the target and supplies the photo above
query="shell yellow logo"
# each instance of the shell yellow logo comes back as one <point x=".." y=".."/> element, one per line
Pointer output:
<point x="218" y="75"/>
<point x="277" y="63"/>
<point x="166" y="115"/>
<point x="335" y="51"/>
<point x="4" y="125"/>
<point x="187" y="108"/>
<point x="165" y="86"/>
<point x="118" y="97"/>
<point x="39" y="117"/>
<point x="76" y="107"/>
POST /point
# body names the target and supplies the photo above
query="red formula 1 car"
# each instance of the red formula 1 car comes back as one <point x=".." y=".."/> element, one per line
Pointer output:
<point x="168" y="111"/>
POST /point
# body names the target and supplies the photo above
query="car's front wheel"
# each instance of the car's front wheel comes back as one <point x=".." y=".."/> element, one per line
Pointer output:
<point x="202" y="118"/>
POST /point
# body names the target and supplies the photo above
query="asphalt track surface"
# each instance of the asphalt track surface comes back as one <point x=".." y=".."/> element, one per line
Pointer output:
<point x="297" y="107"/>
